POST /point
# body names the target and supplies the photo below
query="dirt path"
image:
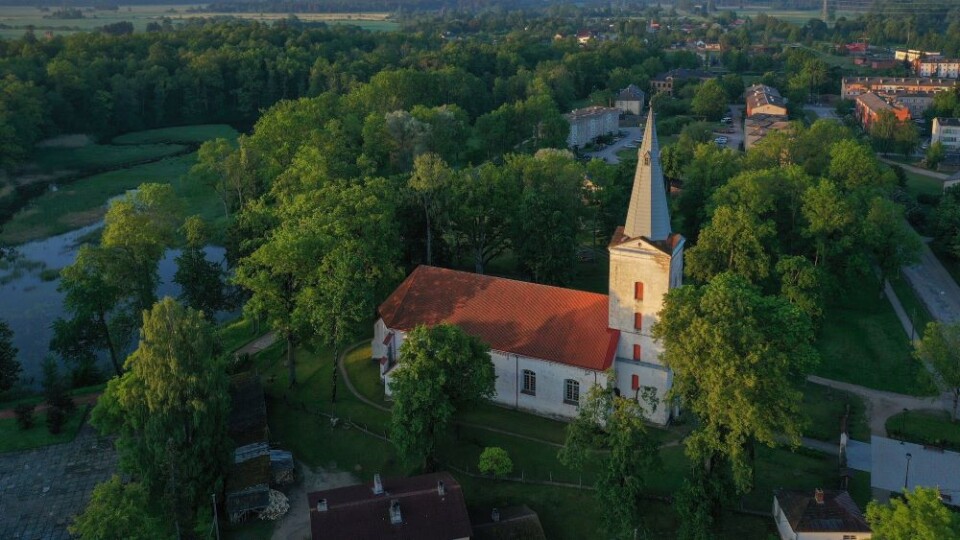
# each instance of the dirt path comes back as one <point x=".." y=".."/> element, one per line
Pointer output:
<point x="915" y="170"/>
<point x="257" y="345"/>
<point x="296" y="524"/>
<point x="935" y="286"/>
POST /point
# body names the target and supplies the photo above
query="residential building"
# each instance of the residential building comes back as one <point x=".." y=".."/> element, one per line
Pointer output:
<point x="763" y="99"/>
<point x="630" y="100"/>
<point x="665" y="81"/>
<point x="915" y="103"/>
<point x="944" y="68"/>
<point x="756" y="127"/>
<point x="818" y="515"/>
<point x="898" y="465"/>
<point x="911" y="55"/>
<point x="584" y="37"/>
<point x="946" y="131"/>
<point x="550" y="345"/>
<point x="510" y="522"/>
<point x="425" y="507"/>
<point x="869" y="106"/>
<point x="589" y="123"/>
<point x="851" y="87"/>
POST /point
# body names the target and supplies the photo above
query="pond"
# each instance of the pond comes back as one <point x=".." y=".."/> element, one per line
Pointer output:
<point x="30" y="302"/>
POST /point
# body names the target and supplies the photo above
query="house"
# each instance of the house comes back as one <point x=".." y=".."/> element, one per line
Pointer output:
<point x="915" y="103"/>
<point x="756" y="127"/>
<point x="630" y="100"/>
<point x="869" y="106"/>
<point x="425" y="507"/>
<point x="946" y="131"/>
<point x="665" y="81"/>
<point x="584" y="37"/>
<point x="549" y="345"/>
<point x="591" y="122"/>
<point x="898" y="465"/>
<point x="818" y="514"/>
<point x="763" y="99"/>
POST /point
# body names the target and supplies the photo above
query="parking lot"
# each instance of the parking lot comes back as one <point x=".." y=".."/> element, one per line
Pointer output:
<point x="609" y="154"/>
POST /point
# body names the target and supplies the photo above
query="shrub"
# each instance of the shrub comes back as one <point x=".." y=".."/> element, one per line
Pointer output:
<point x="56" y="417"/>
<point x="495" y="461"/>
<point x="24" y="412"/>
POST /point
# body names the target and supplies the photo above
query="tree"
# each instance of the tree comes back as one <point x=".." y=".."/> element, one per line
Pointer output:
<point x="883" y="132"/>
<point x="9" y="366"/>
<point x="935" y="155"/>
<point x="738" y="359"/>
<point x="940" y="348"/>
<point x="710" y="168"/>
<point x="495" y="461"/>
<point x="710" y="101"/>
<point x="613" y="424"/>
<point x="803" y="285"/>
<point x="921" y="516"/>
<point x="734" y="241"/>
<point x="441" y="369"/>
<point x="201" y="281"/>
<point x="430" y="184"/>
<point x="486" y="205"/>
<point x="169" y="410"/>
<point x="118" y="511"/>
<point x="212" y="169"/>
<point x="889" y="239"/>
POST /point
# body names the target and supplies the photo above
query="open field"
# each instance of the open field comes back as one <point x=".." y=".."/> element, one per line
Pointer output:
<point x="13" y="439"/>
<point x="796" y="16"/>
<point x="919" y="183"/>
<point x="195" y="134"/>
<point x="98" y="156"/>
<point x="14" y="20"/>
<point x="824" y="406"/>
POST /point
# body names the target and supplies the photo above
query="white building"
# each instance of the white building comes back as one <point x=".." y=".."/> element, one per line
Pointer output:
<point x="946" y="131"/>
<point x="900" y="465"/>
<point x="818" y="515"/>
<point x="630" y="100"/>
<point x="589" y="123"/>
<point x="550" y="345"/>
<point x="944" y="68"/>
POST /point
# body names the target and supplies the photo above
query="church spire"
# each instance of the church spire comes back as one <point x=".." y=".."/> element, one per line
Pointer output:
<point x="648" y="214"/>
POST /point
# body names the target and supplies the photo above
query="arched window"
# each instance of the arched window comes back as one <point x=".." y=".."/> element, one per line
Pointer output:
<point x="571" y="392"/>
<point x="646" y="158"/>
<point x="529" y="382"/>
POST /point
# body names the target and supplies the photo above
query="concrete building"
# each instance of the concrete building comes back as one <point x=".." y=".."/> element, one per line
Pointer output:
<point x="946" y="131"/>
<point x="903" y="465"/>
<point x="763" y="99"/>
<point x="915" y="103"/>
<point x="630" y="100"/>
<point x="818" y="515"/>
<point x="943" y="68"/>
<point x="911" y="55"/>
<point x="756" y="127"/>
<point x="852" y="87"/>
<point x="665" y="81"/>
<point x="869" y="106"/>
<point x="550" y="345"/>
<point x="589" y="123"/>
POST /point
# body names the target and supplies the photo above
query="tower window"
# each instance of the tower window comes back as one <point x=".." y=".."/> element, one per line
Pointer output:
<point x="638" y="290"/>
<point x="638" y="321"/>
<point x="634" y="382"/>
<point x="571" y="392"/>
<point x="637" y="352"/>
<point x="529" y="382"/>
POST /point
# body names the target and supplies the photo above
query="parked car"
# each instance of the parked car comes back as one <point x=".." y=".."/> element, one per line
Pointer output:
<point x="726" y="120"/>
<point x="720" y="140"/>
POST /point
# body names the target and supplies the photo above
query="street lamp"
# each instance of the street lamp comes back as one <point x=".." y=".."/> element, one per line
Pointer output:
<point x="906" y="474"/>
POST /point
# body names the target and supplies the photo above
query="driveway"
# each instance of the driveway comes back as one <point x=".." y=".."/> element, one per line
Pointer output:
<point x="735" y="139"/>
<point x="296" y="524"/>
<point x="822" y="111"/>
<point x="609" y="154"/>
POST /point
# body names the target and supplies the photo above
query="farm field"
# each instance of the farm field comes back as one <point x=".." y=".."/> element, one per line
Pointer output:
<point x="179" y="135"/>
<point x="14" y="20"/>
<point x="796" y="16"/>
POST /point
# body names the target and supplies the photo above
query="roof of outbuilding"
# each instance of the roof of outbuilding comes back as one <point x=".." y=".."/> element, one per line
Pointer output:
<point x="538" y="321"/>
<point x="837" y="513"/>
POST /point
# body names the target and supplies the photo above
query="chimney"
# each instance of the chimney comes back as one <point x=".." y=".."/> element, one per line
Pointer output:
<point x="377" y="485"/>
<point x="395" y="517"/>
<point x="818" y="496"/>
<point x="441" y="489"/>
<point x="322" y="505"/>
<point x="495" y="515"/>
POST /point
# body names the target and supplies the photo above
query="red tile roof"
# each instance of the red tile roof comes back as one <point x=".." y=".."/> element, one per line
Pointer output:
<point x="537" y="321"/>
<point x="355" y="512"/>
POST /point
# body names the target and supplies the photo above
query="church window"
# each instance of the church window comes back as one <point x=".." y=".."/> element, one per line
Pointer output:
<point x="637" y="352"/>
<point x="638" y="321"/>
<point x="638" y="290"/>
<point x="529" y="382"/>
<point x="571" y="392"/>
<point x="646" y="158"/>
<point x="634" y="382"/>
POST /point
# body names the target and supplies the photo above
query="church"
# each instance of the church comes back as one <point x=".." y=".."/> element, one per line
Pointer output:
<point x="549" y="345"/>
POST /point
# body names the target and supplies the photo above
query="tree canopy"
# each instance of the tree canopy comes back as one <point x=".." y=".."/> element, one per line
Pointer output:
<point x="920" y="516"/>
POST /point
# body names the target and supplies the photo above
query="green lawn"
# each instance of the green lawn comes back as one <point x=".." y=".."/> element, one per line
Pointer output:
<point x="925" y="427"/>
<point x="183" y="134"/>
<point x="13" y="439"/>
<point x="37" y="398"/>
<point x="920" y="183"/>
<point x="916" y="309"/>
<point x="861" y="341"/>
<point x="824" y="406"/>
<point x="236" y="333"/>
<point x="98" y="157"/>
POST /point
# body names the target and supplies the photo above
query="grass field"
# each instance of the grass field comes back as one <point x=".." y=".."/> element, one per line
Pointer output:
<point x="13" y="439"/>
<point x="916" y="309"/>
<point x="824" y="406"/>
<point x="920" y="183"/>
<point x="925" y="427"/>
<point x="862" y="342"/>
<point x="99" y="156"/>
<point x="182" y="134"/>
<point x="17" y="19"/>
<point x="799" y="17"/>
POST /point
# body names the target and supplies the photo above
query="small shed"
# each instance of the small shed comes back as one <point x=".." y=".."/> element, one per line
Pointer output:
<point x="248" y="488"/>
<point x="247" y="423"/>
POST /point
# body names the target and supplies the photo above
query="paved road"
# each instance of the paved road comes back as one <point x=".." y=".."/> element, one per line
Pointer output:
<point x="935" y="286"/>
<point x="735" y="139"/>
<point x="609" y="154"/>
<point x="916" y="170"/>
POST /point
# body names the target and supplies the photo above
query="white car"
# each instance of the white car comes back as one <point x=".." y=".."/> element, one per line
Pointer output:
<point x="720" y="140"/>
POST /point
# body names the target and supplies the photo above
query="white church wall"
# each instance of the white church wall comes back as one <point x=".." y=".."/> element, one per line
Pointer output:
<point x="629" y="265"/>
<point x="659" y="378"/>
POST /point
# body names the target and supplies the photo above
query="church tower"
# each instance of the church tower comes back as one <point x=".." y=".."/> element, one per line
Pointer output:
<point x="646" y="261"/>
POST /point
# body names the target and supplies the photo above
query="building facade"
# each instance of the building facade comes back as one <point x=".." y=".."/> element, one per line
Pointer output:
<point x="943" y="68"/>
<point x="869" y="106"/>
<point x="630" y="100"/>
<point x="946" y="131"/>
<point x="852" y="87"/>
<point x="756" y="127"/>
<point x="589" y="123"/>
<point x="665" y="81"/>
<point x="550" y="345"/>
<point x="818" y="515"/>
<point x="763" y="99"/>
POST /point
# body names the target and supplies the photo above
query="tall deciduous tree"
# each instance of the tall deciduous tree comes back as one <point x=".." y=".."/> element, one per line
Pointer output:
<point x="118" y="511"/>
<point x="169" y="410"/>
<point x="738" y="358"/>
<point x="9" y="366"/>
<point x="201" y="281"/>
<point x="430" y="184"/>
<point x="486" y="205"/>
<point x="890" y="240"/>
<point x="710" y="101"/>
<point x="734" y="241"/>
<point x="441" y="369"/>
<point x="921" y="516"/>
<point x="940" y="347"/>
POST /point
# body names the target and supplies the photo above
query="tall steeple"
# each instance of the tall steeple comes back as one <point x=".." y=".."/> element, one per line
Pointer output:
<point x="648" y="214"/>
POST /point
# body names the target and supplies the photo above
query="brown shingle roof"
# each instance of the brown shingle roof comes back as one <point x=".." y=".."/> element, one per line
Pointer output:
<point x="838" y="513"/>
<point x="538" y="321"/>
<point x="355" y="512"/>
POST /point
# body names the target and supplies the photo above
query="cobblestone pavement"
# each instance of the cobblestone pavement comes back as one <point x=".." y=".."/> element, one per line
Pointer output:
<point x="41" y="489"/>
